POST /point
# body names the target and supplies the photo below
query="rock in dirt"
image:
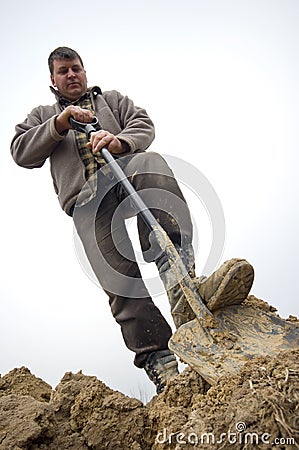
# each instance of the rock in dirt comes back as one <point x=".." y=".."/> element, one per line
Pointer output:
<point x="255" y="409"/>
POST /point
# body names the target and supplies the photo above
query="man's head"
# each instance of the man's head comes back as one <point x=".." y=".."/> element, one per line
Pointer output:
<point x="67" y="73"/>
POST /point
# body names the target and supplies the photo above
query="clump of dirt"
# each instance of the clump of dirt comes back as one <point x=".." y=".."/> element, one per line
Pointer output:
<point x="255" y="409"/>
<point x="21" y="381"/>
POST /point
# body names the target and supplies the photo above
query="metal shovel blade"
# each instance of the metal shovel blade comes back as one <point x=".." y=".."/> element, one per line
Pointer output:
<point x="241" y="333"/>
<point x="220" y="343"/>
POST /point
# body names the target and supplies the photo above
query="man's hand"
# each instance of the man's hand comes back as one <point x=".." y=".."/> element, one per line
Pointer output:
<point x="81" y="115"/>
<point x="102" y="138"/>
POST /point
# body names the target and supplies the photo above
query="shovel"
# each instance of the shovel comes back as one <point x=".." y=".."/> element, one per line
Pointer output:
<point x="213" y="344"/>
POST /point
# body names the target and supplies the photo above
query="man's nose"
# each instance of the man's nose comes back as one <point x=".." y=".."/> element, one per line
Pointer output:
<point x="71" y="73"/>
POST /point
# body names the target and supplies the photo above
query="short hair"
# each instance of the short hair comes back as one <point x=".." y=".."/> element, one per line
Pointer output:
<point x="62" y="53"/>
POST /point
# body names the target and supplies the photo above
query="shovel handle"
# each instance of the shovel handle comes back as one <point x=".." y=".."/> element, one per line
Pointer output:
<point x="87" y="128"/>
<point x="161" y="238"/>
<point x="139" y="205"/>
<point x="118" y="173"/>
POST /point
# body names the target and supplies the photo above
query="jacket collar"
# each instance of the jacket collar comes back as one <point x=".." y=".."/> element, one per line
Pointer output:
<point x="94" y="91"/>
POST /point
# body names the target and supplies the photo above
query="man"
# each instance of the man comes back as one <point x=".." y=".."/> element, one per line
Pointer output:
<point x="87" y="192"/>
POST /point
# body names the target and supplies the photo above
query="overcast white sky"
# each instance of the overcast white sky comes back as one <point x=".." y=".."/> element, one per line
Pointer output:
<point x="220" y="80"/>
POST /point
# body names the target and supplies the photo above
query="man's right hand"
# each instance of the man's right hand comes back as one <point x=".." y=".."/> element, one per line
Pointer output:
<point x="81" y="115"/>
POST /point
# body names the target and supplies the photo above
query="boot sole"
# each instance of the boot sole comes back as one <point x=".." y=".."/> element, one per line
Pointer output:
<point x="234" y="287"/>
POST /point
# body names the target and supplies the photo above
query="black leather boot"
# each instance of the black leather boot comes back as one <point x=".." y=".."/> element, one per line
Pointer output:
<point x="160" y="366"/>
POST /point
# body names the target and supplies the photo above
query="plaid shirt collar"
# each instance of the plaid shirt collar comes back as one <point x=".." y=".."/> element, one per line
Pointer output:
<point x="95" y="90"/>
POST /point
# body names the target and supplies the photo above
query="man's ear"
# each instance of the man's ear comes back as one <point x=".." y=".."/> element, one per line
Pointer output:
<point x="52" y="80"/>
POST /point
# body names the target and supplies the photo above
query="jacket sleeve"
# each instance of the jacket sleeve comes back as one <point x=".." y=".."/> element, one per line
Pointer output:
<point x="137" y="128"/>
<point x="35" y="140"/>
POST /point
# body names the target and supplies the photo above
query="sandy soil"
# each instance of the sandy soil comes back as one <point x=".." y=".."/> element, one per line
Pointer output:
<point x="257" y="408"/>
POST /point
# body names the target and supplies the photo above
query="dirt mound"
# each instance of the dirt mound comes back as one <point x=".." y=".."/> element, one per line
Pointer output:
<point x="255" y="409"/>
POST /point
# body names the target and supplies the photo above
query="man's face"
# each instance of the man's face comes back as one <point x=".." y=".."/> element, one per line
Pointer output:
<point x="69" y="77"/>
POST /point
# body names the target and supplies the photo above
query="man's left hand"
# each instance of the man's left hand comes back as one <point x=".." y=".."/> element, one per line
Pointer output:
<point x="102" y="138"/>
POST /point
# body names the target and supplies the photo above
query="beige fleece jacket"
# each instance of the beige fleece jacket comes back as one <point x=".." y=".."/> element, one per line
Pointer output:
<point x="36" y="139"/>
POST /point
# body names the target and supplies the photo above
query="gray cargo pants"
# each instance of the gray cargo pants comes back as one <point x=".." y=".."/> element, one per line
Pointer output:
<point x="101" y="227"/>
